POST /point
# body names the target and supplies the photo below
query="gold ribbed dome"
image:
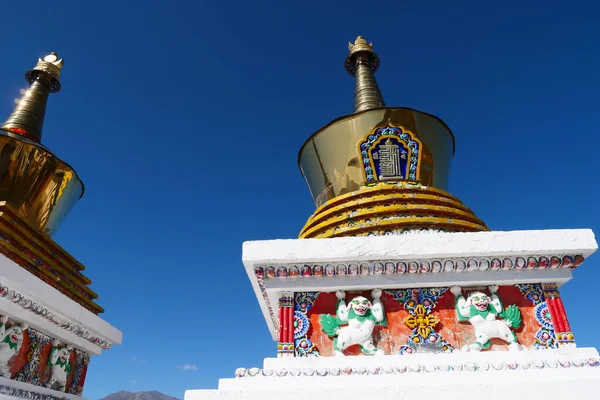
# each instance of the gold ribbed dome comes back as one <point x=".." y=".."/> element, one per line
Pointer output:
<point x="382" y="170"/>
<point x="387" y="208"/>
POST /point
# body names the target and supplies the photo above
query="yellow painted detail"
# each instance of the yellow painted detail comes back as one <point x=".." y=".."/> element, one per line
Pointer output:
<point x="386" y="207"/>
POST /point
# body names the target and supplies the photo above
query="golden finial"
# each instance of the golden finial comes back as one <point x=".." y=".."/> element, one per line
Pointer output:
<point x="360" y="44"/>
<point x="49" y="65"/>
<point x="27" y="118"/>
<point x="362" y="62"/>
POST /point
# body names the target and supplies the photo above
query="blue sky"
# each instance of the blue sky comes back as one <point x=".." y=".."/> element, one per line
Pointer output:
<point x="152" y="89"/>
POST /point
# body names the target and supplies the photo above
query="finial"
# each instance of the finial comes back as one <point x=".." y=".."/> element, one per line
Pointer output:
<point x="360" y="47"/>
<point x="360" y="44"/>
<point x="362" y="62"/>
<point x="50" y="65"/>
<point x="27" y="118"/>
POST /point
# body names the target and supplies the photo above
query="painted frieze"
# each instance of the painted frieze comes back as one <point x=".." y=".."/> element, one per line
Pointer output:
<point x="422" y="320"/>
<point x="32" y="357"/>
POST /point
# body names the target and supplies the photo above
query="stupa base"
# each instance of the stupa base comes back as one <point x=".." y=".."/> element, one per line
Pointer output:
<point x="568" y="373"/>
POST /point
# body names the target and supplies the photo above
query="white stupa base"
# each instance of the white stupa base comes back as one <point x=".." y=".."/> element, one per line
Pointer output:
<point x="555" y="374"/>
<point x="10" y="389"/>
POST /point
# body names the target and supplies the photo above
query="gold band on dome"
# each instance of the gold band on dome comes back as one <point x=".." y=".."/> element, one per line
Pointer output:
<point x="391" y="208"/>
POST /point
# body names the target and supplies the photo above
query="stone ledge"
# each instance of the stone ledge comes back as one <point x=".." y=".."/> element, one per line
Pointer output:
<point x="26" y="298"/>
<point x="11" y="389"/>
<point x="564" y="373"/>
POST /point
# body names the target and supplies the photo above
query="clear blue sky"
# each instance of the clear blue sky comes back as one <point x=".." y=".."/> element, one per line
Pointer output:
<point x="151" y="89"/>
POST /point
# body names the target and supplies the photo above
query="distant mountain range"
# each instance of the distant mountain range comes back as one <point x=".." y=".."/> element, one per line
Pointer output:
<point x="123" y="395"/>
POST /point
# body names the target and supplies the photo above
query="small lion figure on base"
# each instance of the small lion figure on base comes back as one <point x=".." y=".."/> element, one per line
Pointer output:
<point x="361" y="316"/>
<point x="60" y="366"/>
<point x="11" y="340"/>
<point x="481" y="311"/>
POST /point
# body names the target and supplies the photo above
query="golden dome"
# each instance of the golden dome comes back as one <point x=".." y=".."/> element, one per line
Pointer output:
<point x="382" y="170"/>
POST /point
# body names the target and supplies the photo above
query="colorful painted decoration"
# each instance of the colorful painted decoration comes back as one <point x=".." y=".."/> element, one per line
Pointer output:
<point x="482" y="312"/>
<point x="390" y="153"/>
<point x="543" y="316"/>
<point x="360" y="315"/>
<point x="30" y="372"/>
<point x="82" y="359"/>
<point x="422" y="321"/>
<point x="420" y="304"/>
<point x="532" y="292"/>
<point x="545" y="337"/>
<point x="303" y="302"/>
<point x="60" y="366"/>
<point x="11" y="340"/>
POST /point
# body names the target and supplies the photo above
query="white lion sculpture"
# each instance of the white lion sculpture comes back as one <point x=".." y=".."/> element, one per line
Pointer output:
<point x="60" y="365"/>
<point x="361" y="316"/>
<point x="482" y="312"/>
<point x="11" y="340"/>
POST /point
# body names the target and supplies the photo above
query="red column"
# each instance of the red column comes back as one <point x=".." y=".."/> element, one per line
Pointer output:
<point x="280" y="324"/>
<point x="562" y="328"/>
<point x="285" y="328"/>
<point x="291" y="322"/>
<point x="285" y="347"/>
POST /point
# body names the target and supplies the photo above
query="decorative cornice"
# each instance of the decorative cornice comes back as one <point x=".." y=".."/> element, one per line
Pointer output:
<point x="424" y="266"/>
<point x="64" y="323"/>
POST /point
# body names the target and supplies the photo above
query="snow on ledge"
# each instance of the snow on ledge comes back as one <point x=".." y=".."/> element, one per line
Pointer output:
<point x="420" y="245"/>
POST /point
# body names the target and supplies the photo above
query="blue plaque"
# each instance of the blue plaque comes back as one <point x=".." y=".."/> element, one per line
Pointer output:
<point x="390" y="153"/>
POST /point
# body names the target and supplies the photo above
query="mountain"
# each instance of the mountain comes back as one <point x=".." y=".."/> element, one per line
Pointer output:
<point x="123" y="395"/>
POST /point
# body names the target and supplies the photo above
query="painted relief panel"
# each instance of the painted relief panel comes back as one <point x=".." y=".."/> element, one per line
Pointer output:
<point x="423" y="321"/>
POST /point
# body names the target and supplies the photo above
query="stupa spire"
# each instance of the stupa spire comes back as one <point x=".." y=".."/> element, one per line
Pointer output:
<point x="362" y="62"/>
<point x="27" y="119"/>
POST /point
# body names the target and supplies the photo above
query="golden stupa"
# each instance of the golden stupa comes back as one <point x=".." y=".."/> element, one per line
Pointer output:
<point x="381" y="170"/>
<point x="37" y="190"/>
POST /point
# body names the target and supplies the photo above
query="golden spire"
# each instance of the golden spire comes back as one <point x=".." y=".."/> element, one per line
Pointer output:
<point x="27" y="119"/>
<point x="362" y="62"/>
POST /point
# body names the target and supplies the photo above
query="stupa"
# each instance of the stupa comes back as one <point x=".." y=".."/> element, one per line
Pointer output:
<point x="49" y="323"/>
<point x="395" y="289"/>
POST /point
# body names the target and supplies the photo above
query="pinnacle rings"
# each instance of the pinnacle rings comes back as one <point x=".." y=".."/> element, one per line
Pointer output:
<point x="49" y="68"/>
<point x="354" y="60"/>
<point x="361" y="52"/>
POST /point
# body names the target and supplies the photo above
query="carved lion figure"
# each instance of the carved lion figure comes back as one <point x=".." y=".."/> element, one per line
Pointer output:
<point x="483" y="311"/>
<point x="60" y="365"/>
<point x="361" y="316"/>
<point x="11" y="340"/>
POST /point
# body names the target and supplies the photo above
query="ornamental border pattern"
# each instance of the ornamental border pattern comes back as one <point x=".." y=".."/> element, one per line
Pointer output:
<point x="64" y="323"/>
<point x="420" y="368"/>
<point x="27" y="394"/>
<point x="424" y="266"/>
